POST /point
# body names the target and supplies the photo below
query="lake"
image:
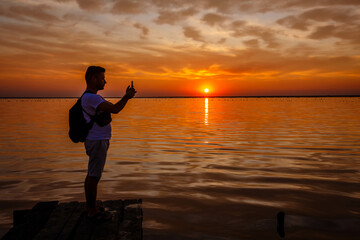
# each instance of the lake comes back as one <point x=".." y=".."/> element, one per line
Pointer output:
<point x="205" y="168"/>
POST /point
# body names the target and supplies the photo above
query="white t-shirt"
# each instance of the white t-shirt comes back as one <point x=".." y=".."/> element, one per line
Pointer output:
<point x="89" y="103"/>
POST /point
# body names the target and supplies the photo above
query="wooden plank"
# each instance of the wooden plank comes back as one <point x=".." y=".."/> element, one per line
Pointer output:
<point x="32" y="222"/>
<point x="109" y="230"/>
<point x="129" y="202"/>
<point x="19" y="216"/>
<point x="131" y="226"/>
<point x="57" y="221"/>
<point x="72" y="223"/>
<point x="66" y="221"/>
<point x="85" y="228"/>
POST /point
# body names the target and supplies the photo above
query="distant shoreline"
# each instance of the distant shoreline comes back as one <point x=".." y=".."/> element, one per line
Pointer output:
<point x="310" y="96"/>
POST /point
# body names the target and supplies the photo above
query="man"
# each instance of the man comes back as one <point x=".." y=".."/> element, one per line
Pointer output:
<point x="99" y="110"/>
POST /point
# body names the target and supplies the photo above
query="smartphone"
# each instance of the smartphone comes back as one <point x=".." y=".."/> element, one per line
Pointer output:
<point x="132" y="84"/>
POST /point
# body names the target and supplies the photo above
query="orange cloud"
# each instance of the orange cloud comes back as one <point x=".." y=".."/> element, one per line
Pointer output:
<point x="191" y="32"/>
<point x="95" y="5"/>
<point x="213" y="19"/>
<point x="128" y="7"/>
<point x="172" y="17"/>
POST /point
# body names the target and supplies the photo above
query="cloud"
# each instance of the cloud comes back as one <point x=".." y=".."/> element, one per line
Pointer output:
<point x="172" y="17"/>
<point x="90" y="4"/>
<point x="306" y="19"/>
<point x="316" y="3"/>
<point x="327" y="22"/>
<point x="29" y="12"/>
<point x="263" y="6"/>
<point x="222" y="41"/>
<point x="252" y="43"/>
<point x="213" y="19"/>
<point x="343" y="32"/>
<point x="191" y="32"/>
<point x="242" y="29"/>
<point x="11" y="30"/>
<point x="129" y="7"/>
<point x="144" y="30"/>
<point x="223" y="6"/>
<point x="238" y="24"/>
<point x="294" y="22"/>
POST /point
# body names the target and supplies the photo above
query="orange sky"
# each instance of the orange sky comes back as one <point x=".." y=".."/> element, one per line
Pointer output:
<point x="180" y="47"/>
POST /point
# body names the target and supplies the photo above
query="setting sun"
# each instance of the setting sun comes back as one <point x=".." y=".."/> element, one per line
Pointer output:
<point x="206" y="90"/>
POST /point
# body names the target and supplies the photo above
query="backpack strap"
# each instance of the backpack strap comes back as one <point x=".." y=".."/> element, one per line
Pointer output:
<point x="91" y="116"/>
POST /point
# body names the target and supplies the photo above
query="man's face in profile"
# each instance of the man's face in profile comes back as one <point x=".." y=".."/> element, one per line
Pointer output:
<point x="100" y="81"/>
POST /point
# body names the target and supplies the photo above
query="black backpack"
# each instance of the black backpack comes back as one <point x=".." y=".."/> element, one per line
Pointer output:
<point x="78" y="127"/>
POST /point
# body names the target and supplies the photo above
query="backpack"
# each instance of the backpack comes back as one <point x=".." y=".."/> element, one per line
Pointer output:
<point x="78" y="127"/>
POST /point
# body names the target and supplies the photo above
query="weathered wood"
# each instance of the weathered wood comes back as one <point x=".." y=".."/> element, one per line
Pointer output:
<point x="84" y="229"/>
<point x="57" y="220"/>
<point x="129" y="202"/>
<point x="130" y="227"/>
<point x="20" y="216"/>
<point x="32" y="222"/>
<point x="73" y="224"/>
<point x="109" y="230"/>
<point x="68" y="221"/>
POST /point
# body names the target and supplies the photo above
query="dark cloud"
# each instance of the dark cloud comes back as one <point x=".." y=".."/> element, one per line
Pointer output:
<point x="222" y="41"/>
<point x="294" y="22"/>
<point x="317" y="3"/>
<point x="238" y="23"/>
<point x="252" y="43"/>
<point x="129" y="7"/>
<point x="213" y="19"/>
<point x="172" y="17"/>
<point x="324" y="32"/>
<point x="191" y="32"/>
<point x="306" y="19"/>
<point x="342" y="32"/>
<point x="29" y="12"/>
<point x="166" y="4"/>
<point x="327" y="14"/>
<point x="90" y="4"/>
<point x="13" y="29"/>
<point x="263" y="6"/>
<point x="144" y="30"/>
<point x="329" y="22"/>
<point x="223" y="6"/>
<point x="242" y="29"/>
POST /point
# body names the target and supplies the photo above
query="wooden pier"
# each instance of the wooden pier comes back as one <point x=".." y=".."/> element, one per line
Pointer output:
<point x="67" y="221"/>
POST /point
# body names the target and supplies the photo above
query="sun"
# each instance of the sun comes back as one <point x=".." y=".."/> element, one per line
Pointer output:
<point x="206" y="90"/>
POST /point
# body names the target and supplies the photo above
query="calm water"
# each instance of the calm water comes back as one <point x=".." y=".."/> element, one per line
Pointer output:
<point x="205" y="168"/>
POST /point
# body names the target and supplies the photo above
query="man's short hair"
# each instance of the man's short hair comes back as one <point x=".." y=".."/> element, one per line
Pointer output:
<point x="93" y="70"/>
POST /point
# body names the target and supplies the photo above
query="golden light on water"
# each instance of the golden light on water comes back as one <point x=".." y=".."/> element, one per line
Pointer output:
<point x="206" y="119"/>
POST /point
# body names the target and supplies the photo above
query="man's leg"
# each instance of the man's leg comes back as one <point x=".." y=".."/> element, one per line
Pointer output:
<point x="90" y="194"/>
<point x="97" y="151"/>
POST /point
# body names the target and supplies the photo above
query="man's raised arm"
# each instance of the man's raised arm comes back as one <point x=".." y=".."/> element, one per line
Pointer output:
<point x="117" y="107"/>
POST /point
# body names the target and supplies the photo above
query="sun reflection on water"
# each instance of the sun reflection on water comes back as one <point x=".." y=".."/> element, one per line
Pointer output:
<point x="206" y="116"/>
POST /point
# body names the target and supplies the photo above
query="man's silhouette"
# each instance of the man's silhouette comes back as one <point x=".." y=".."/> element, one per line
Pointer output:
<point x="99" y="110"/>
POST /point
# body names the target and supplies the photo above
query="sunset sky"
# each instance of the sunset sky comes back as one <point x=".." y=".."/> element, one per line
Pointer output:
<point x="181" y="47"/>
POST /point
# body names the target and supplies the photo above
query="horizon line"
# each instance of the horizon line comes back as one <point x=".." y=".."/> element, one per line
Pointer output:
<point x="259" y="96"/>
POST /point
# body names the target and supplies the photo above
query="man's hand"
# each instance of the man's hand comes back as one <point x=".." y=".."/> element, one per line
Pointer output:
<point x="116" y="108"/>
<point x="130" y="92"/>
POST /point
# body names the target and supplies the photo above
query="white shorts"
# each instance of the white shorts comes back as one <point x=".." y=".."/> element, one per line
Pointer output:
<point x="97" y="151"/>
